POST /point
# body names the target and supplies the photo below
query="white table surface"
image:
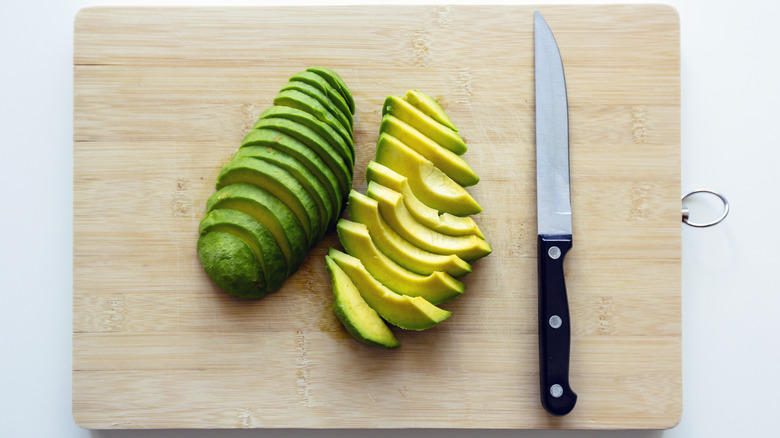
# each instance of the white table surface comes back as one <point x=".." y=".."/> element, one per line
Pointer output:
<point x="730" y="111"/>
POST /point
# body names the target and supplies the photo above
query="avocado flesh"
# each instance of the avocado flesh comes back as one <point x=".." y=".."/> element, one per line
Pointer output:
<point x="448" y="162"/>
<point x="230" y="263"/>
<point x="256" y="236"/>
<point x="269" y="211"/>
<point x="444" y="223"/>
<point x="279" y="183"/>
<point x="436" y="288"/>
<point x="306" y="119"/>
<point x="429" y="184"/>
<point x="338" y="164"/>
<point x="429" y="107"/>
<point x="365" y="210"/>
<point x="335" y="80"/>
<point x="261" y="138"/>
<point x="410" y="313"/>
<point x="321" y="97"/>
<point x="437" y="132"/>
<point x="394" y="212"/>
<point x="333" y="94"/>
<point x="360" y="320"/>
<point x="304" y="102"/>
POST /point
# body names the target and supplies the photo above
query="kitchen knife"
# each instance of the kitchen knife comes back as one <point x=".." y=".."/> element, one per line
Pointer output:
<point x="553" y="203"/>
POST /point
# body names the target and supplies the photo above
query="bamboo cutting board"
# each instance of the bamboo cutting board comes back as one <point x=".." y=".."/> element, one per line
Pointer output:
<point x="162" y="98"/>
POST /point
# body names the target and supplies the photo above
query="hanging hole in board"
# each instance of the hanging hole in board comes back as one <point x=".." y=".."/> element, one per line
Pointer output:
<point x="686" y="212"/>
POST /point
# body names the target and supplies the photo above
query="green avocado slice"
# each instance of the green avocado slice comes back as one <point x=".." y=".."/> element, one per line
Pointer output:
<point x="444" y="223"/>
<point x="436" y="287"/>
<point x="431" y="186"/>
<point x="265" y="138"/>
<point x="336" y="82"/>
<point x="429" y="107"/>
<point x="333" y="94"/>
<point x="279" y="183"/>
<point x="323" y="99"/>
<point x="340" y="165"/>
<point x="304" y="102"/>
<point x="306" y="119"/>
<point x="437" y="132"/>
<point x="411" y="313"/>
<point x="394" y="212"/>
<point x="450" y="163"/>
<point x="365" y="210"/>
<point x="258" y="239"/>
<point x="360" y="320"/>
<point x="269" y="211"/>
<point x="230" y="263"/>
<point x="328" y="209"/>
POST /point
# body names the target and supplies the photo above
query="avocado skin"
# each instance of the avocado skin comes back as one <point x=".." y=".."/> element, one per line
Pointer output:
<point x="230" y="263"/>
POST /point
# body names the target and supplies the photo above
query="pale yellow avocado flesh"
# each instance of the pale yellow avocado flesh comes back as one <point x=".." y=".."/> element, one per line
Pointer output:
<point x="447" y="161"/>
<point x="431" y="128"/>
<point x="394" y="212"/>
<point x="444" y="223"/>
<point x="429" y="184"/>
<point x="360" y="320"/>
<point x="429" y="107"/>
<point x="365" y="210"/>
<point x="411" y="313"/>
<point x="437" y="287"/>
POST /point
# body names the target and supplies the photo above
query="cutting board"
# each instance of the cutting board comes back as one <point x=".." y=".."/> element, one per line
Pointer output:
<point x="162" y="98"/>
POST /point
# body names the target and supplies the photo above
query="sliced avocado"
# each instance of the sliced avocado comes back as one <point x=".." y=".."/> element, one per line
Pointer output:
<point x="365" y="210"/>
<point x="265" y="138"/>
<point x="333" y="94"/>
<point x="429" y="184"/>
<point x="308" y="120"/>
<point x="394" y="212"/>
<point x="360" y="320"/>
<point x="430" y="107"/>
<point x="279" y="183"/>
<point x="328" y="209"/>
<point x="323" y="99"/>
<point x="304" y="102"/>
<point x="411" y="313"/>
<point x="269" y="211"/>
<point x="437" y="132"/>
<point x="336" y="82"/>
<point x="444" y="223"/>
<point x="230" y="263"/>
<point x="451" y="164"/>
<point x="437" y="287"/>
<point x="341" y="166"/>
<point x="258" y="239"/>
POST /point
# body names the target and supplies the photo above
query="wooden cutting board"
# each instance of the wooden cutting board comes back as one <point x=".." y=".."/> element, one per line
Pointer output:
<point x="162" y="98"/>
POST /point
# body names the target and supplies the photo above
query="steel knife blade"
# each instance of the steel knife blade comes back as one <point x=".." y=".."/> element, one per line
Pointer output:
<point x="553" y="201"/>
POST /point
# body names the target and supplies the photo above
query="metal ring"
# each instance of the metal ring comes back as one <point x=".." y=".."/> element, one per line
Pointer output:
<point x="686" y="212"/>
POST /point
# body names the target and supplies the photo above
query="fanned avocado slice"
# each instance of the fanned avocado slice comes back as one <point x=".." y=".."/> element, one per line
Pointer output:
<point x="279" y="183"/>
<point x="340" y="165"/>
<point x="436" y="287"/>
<point x="411" y="313"/>
<point x="429" y="107"/>
<point x="333" y="94"/>
<point x="437" y="132"/>
<point x="304" y="102"/>
<point x="268" y="138"/>
<point x="323" y="99"/>
<point x="360" y="320"/>
<point x="229" y="261"/>
<point x="308" y="120"/>
<point x="365" y="210"/>
<point x="258" y="239"/>
<point x="269" y="211"/>
<point x="337" y="82"/>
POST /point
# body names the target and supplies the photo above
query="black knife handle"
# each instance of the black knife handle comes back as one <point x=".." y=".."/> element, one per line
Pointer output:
<point x="554" y="326"/>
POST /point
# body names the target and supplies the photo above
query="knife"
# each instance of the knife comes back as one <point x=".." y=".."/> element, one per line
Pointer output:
<point x="553" y="204"/>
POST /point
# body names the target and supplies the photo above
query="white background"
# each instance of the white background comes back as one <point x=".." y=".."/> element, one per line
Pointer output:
<point x="730" y="95"/>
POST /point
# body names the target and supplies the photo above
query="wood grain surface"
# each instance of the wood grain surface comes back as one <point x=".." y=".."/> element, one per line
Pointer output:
<point x="162" y="98"/>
